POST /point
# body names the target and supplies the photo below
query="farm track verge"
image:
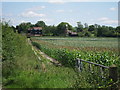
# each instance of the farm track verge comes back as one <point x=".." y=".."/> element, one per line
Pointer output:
<point x="36" y="50"/>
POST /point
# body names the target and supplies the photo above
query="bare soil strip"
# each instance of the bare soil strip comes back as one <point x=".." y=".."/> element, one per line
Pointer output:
<point x="52" y="60"/>
<point x="49" y="58"/>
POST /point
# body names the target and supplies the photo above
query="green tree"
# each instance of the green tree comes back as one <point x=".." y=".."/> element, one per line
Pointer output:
<point x="96" y="25"/>
<point x="99" y="31"/>
<point x="86" y="25"/>
<point x="91" y="28"/>
<point x="62" y="27"/>
<point x="88" y="34"/>
<point x="23" y="27"/>
<point x="117" y="30"/>
<point x="104" y="31"/>
<point x="79" y="27"/>
<point x="112" y="32"/>
<point x="50" y="30"/>
<point x="40" y="24"/>
<point x="81" y="34"/>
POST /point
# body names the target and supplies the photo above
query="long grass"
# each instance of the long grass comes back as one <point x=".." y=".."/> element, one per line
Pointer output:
<point x="21" y="68"/>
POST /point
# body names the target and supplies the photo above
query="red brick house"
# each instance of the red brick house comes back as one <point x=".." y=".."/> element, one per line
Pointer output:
<point x="34" y="31"/>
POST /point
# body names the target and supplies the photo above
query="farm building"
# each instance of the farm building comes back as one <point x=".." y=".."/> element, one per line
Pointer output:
<point x="35" y="31"/>
<point x="70" y="33"/>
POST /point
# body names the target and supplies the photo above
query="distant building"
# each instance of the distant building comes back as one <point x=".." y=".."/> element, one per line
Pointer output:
<point x="70" y="33"/>
<point x="34" y="31"/>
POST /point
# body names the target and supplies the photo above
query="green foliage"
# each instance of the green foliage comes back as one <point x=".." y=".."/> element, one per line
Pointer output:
<point x="40" y="24"/>
<point x="91" y="28"/>
<point x="79" y="27"/>
<point x="23" y="27"/>
<point x="55" y="77"/>
<point x="81" y="34"/>
<point x="88" y="34"/>
<point x="118" y="31"/>
<point x="105" y="31"/>
<point x="17" y="55"/>
<point x="19" y="66"/>
<point x="36" y="44"/>
<point x="9" y="45"/>
<point x="67" y="57"/>
<point x="61" y="28"/>
<point x="90" y="79"/>
<point x="50" y="31"/>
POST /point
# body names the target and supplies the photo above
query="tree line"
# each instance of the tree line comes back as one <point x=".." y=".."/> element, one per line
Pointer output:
<point x="83" y="30"/>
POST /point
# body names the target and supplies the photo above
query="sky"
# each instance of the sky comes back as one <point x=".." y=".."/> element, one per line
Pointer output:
<point x="52" y="13"/>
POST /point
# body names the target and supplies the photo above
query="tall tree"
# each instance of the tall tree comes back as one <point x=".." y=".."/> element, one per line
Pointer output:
<point x="86" y="25"/>
<point x="118" y="31"/>
<point x="79" y="27"/>
<point x="91" y="28"/>
<point x="23" y="27"/>
<point x="61" y="28"/>
<point x="49" y="30"/>
<point x="40" y="24"/>
<point x="96" y="25"/>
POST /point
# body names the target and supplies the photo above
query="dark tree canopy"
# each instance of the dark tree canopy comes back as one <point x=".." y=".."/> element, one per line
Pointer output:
<point x="62" y="27"/>
<point x="40" y="24"/>
<point x="23" y="27"/>
<point x="79" y="27"/>
<point x="60" y="30"/>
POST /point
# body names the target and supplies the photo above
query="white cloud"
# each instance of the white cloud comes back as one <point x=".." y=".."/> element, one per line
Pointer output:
<point x="56" y="1"/>
<point x="23" y="21"/>
<point x="88" y="13"/>
<point x="46" y="19"/>
<point x="60" y="1"/>
<point x="106" y="20"/>
<point x="59" y="10"/>
<point x="70" y="11"/>
<point x="32" y="14"/>
<point x="111" y="22"/>
<point x="103" y="19"/>
<point x="7" y="15"/>
<point x="37" y="8"/>
<point x="113" y="9"/>
<point x="64" y="1"/>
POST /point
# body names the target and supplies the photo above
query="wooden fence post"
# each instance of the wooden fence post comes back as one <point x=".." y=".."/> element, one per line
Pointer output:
<point x="81" y="67"/>
<point x="101" y="71"/>
<point x="113" y="73"/>
<point x="79" y="64"/>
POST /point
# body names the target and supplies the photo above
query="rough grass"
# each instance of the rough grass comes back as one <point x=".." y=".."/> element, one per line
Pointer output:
<point x="54" y="77"/>
<point x="21" y="68"/>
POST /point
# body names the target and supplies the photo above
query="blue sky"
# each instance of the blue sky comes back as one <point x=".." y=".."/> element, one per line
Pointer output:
<point x="52" y="13"/>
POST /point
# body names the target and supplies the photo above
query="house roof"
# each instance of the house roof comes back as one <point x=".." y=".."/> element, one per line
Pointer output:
<point x="73" y="33"/>
<point x="35" y="28"/>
